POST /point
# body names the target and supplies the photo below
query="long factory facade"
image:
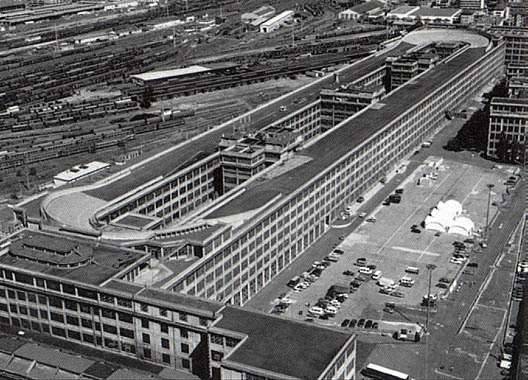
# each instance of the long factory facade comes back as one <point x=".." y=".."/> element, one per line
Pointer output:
<point x="234" y="211"/>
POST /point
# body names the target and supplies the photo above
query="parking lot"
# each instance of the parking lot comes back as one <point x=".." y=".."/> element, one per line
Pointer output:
<point x="390" y="245"/>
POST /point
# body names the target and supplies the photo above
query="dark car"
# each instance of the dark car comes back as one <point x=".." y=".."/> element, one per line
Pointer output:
<point x="445" y="280"/>
<point x="399" y="191"/>
<point x="361" y="322"/>
<point x="324" y="316"/>
<point x="386" y="202"/>
<point x="375" y="325"/>
<point x="371" y="266"/>
<point x="368" y="324"/>
<point x="348" y="273"/>
<point x="352" y="323"/>
<point x="355" y="283"/>
<point x="325" y="263"/>
<point x="360" y="199"/>
<point x="473" y="265"/>
<point x="397" y="294"/>
<point x="345" y="323"/>
<point x="415" y="230"/>
<point x="341" y="298"/>
<point x="442" y="285"/>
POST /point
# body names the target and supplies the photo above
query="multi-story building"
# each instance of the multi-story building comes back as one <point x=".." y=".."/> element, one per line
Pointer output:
<point x="401" y="69"/>
<point x="193" y="246"/>
<point x="70" y="288"/>
<point x="516" y="40"/>
<point x="338" y="105"/>
<point x="508" y="122"/>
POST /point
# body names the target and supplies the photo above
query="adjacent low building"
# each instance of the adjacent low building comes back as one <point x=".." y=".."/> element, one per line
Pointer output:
<point x="78" y="172"/>
<point x="258" y="16"/>
<point x="407" y="14"/>
<point x="276" y="22"/>
<point x="370" y="8"/>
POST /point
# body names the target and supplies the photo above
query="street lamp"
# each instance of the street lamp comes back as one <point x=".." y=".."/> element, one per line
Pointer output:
<point x="430" y="269"/>
<point x="489" y="186"/>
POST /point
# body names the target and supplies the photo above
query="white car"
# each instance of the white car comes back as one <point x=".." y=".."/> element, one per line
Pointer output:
<point x="456" y="261"/>
<point x="377" y="275"/>
<point x="331" y="310"/>
<point x="365" y="270"/>
<point x="335" y="303"/>
<point x="316" y="310"/>
<point x="362" y="214"/>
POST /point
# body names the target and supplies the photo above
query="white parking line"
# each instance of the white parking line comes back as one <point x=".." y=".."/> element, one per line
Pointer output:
<point x="417" y="251"/>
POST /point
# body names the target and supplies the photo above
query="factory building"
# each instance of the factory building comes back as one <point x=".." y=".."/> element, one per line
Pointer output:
<point x="69" y="288"/>
<point x="189" y="242"/>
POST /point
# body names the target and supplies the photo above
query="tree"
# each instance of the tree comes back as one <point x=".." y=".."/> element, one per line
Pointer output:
<point x="501" y="150"/>
<point x="33" y="171"/>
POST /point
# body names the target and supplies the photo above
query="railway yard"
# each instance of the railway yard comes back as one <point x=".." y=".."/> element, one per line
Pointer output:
<point x="67" y="96"/>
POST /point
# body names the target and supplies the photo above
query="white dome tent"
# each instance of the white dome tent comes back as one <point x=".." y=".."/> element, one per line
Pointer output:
<point x="462" y="226"/>
<point x="446" y="217"/>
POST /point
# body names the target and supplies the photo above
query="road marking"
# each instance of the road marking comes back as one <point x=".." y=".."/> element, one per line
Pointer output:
<point x="447" y="375"/>
<point x="417" y="251"/>
<point x="384" y="245"/>
<point x="471" y="192"/>
<point x="492" y="307"/>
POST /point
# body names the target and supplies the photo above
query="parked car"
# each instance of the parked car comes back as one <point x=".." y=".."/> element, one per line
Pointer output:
<point x="345" y="323"/>
<point x="360" y="200"/>
<point x="316" y="310"/>
<point x="397" y="294"/>
<point x="442" y="285"/>
<point x="377" y="275"/>
<point x="375" y="325"/>
<point x="445" y="280"/>
<point x="348" y="273"/>
<point x="365" y="270"/>
<point x="361" y="322"/>
<point x="371" y="266"/>
<point x="368" y="324"/>
<point x="372" y="219"/>
<point x="399" y="191"/>
<point x="352" y="323"/>
<point x="362" y="214"/>
<point x="331" y="310"/>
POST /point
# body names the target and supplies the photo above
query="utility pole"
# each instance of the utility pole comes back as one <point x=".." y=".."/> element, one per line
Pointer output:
<point x="430" y="269"/>
<point x="490" y="186"/>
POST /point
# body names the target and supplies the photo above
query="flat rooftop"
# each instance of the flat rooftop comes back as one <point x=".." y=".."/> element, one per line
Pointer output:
<point x="106" y="261"/>
<point x="355" y="131"/>
<point x="208" y="143"/>
<point x="192" y="304"/>
<point x="293" y="348"/>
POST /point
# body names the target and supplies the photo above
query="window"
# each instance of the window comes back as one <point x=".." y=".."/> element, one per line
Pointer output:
<point x="74" y="334"/>
<point x="106" y="298"/>
<point x="147" y="353"/>
<point x="186" y="363"/>
<point x="216" y="356"/>
<point x="185" y="348"/>
<point x="125" y="317"/>
<point x="183" y="317"/>
<point x="166" y="358"/>
<point x="164" y="328"/>
<point x="126" y="333"/>
<point x="145" y="323"/>
<point x="163" y="312"/>
<point x="144" y="308"/>
<point x="230" y="342"/>
<point x="57" y="317"/>
<point x="184" y="333"/>
<point x="108" y="313"/>
<point x="70" y="305"/>
<point x="165" y="343"/>
<point x="32" y="298"/>
<point x="72" y="320"/>
<point x="88" y="338"/>
<point x="217" y="339"/>
<point x="203" y="322"/>
<point x="146" y="338"/>
<point x="86" y="323"/>
<point x="43" y="314"/>
<point x="58" y="331"/>
<point x="22" y="310"/>
<point x="109" y="329"/>
<point x="21" y="296"/>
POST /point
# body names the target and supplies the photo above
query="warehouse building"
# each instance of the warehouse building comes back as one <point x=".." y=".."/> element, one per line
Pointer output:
<point x="276" y="22"/>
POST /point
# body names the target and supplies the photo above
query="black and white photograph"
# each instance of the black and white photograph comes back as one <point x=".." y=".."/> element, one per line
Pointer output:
<point x="263" y="189"/>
